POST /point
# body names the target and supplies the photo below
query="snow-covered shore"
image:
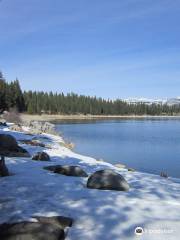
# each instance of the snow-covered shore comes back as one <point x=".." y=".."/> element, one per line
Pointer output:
<point x="152" y="202"/>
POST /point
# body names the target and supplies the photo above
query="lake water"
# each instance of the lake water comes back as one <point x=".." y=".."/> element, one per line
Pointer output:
<point x="147" y="145"/>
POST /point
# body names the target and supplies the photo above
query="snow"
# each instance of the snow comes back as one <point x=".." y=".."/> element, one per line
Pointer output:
<point x="152" y="203"/>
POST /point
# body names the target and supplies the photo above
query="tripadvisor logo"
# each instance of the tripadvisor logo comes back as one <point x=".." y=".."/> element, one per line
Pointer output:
<point x="139" y="231"/>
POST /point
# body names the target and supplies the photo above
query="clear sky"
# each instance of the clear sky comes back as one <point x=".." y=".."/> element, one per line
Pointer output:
<point x="108" y="48"/>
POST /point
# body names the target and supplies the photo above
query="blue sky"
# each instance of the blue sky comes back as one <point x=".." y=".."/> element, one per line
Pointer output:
<point x="108" y="48"/>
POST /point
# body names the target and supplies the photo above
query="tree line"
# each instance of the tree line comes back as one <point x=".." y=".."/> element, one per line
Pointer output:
<point x="38" y="102"/>
<point x="11" y="95"/>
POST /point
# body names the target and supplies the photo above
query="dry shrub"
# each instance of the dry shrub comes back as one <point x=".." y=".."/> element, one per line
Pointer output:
<point x="12" y="116"/>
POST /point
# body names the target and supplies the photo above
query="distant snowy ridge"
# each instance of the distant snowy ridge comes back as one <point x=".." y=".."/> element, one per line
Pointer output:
<point x="148" y="101"/>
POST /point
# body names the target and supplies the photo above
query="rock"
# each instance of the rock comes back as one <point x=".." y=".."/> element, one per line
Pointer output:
<point x="10" y="148"/>
<point x="51" y="168"/>
<point x="31" y="231"/>
<point x="41" y="156"/>
<point x="51" y="228"/>
<point x="3" y="124"/>
<point x="74" y="171"/>
<point x="16" y="127"/>
<point x="3" y="169"/>
<point x="107" y="180"/>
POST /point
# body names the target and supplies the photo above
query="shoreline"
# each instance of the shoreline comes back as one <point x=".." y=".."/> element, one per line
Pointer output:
<point x="49" y="194"/>
<point x="46" y="117"/>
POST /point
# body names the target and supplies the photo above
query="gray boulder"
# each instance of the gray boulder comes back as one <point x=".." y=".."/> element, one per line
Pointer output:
<point x="51" y="228"/>
<point x="8" y="142"/>
<point x="41" y="156"/>
<point x="9" y="147"/>
<point x="74" y="171"/>
<point x="107" y="180"/>
<point x="31" y="231"/>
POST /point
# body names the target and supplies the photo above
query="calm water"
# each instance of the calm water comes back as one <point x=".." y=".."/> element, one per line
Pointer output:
<point x="146" y="145"/>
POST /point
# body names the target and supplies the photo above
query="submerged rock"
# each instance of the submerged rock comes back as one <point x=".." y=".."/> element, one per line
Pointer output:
<point x="41" y="156"/>
<point x="107" y="180"/>
<point x="74" y="171"/>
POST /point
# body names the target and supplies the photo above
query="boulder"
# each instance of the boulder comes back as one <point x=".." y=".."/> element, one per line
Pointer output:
<point x="107" y="180"/>
<point x="8" y="142"/>
<point x="9" y="147"/>
<point x="74" y="171"/>
<point x="51" y="228"/>
<point x="3" y="169"/>
<point x="52" y="168"/>
<point x="41" y="156"/>
<point x="31" y="231"/>
<point x="3" y="124"/>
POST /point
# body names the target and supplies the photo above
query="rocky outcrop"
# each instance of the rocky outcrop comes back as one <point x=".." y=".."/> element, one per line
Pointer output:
<point x="74" y="171"/>
<point x="9" y="147"/>
<point x="41" y="156"/>
<point x="107" y="180"/>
